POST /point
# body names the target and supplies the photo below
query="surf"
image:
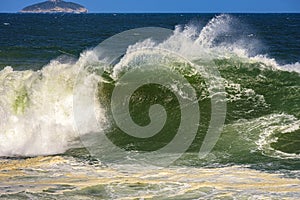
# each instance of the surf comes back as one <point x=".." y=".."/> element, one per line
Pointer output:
<point x="36" y="107"/>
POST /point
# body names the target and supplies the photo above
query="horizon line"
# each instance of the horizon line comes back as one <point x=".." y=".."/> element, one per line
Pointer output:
<point x="165" y="12"/>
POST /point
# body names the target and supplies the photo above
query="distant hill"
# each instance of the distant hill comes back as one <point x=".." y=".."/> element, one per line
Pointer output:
<point x="55" y="6"/>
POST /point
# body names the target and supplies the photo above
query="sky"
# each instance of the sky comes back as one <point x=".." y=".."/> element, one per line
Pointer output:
<point x="198" y="6"/>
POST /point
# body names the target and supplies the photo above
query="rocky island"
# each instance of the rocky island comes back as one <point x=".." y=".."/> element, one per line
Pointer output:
<point x="55" y="6"/>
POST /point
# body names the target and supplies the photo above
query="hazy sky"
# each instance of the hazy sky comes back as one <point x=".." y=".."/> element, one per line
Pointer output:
<point x="170" y="5"/>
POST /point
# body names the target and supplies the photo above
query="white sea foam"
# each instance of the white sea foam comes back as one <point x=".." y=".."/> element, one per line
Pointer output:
<point x="36" y="108"/>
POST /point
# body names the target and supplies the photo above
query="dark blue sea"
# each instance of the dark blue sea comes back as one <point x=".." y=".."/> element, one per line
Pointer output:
<point x="149" y="106"/>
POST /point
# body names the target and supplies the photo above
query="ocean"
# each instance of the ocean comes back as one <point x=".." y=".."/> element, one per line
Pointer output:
<point x="150" y="106"/>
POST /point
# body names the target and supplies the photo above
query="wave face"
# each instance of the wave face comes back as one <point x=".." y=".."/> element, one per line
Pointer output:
<point x="263" y="99"/>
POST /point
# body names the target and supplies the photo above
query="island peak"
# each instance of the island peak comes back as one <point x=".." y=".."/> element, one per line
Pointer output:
<point x="55" y="6"/>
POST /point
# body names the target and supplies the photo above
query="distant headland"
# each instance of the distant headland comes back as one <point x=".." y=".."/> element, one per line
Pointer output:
<point x="55" y="6"/>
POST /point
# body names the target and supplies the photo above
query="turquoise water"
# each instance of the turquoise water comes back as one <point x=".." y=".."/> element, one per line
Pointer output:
<point x="65" y="133"/>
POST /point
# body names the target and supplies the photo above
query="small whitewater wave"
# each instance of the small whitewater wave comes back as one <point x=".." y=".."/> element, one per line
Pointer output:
<point x="36" y="107"/>
<point x="263" y="134"/>
<point x="279" y="126"/>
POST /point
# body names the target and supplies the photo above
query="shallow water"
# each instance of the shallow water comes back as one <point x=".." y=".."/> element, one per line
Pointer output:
<point x="65" y="177"/>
